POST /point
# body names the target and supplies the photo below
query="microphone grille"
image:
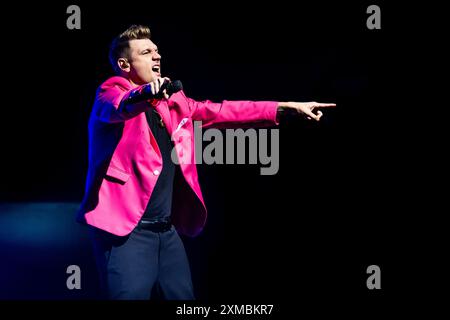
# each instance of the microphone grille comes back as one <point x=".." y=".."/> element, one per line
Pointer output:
<point x="174" y="86"/>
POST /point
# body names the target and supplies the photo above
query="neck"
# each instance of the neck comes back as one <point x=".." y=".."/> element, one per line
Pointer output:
<point x="134" y="85"/>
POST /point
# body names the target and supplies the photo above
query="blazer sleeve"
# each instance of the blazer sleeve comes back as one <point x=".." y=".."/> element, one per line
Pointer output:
<point x="111" y="104"/>
<point x="229" y="114"/>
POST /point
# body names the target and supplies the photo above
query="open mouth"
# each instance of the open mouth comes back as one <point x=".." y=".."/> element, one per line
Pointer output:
<point x="156" y="69"/>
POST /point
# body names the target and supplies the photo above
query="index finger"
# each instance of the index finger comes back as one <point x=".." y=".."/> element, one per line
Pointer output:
<point x="324" y="105"/>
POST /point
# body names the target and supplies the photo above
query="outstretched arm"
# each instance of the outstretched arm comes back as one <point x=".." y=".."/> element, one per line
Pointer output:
<point x="228" y="114"/>
<point x="260" y="113"/>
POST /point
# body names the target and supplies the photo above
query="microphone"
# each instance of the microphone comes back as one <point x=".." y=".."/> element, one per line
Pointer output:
<point x="145" y="92"/>
<point x="172" y="87"/>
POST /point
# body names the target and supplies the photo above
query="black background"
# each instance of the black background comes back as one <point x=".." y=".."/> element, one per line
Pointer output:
<point x="342" y="198"/>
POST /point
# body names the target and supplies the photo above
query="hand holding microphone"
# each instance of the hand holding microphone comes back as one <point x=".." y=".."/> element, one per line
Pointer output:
<point x="157" y="89"/>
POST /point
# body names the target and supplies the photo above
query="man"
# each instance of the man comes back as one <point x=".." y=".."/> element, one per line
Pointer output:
<point x="136" y="198"/>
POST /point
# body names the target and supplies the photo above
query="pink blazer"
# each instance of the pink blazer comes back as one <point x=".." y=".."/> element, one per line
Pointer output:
<point x="125" y="161"/>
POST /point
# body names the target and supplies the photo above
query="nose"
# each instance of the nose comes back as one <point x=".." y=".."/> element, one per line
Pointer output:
<point x="156" y="56"/>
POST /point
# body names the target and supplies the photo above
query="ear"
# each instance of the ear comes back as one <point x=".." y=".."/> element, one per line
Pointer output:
<point x="123" y="64"/>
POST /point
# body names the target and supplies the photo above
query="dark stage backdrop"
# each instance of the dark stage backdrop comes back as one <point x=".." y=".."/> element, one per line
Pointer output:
<point x="304" y="235"/>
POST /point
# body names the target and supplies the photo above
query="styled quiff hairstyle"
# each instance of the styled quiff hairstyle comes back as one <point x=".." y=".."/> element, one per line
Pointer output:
<point x="120" y="47"/>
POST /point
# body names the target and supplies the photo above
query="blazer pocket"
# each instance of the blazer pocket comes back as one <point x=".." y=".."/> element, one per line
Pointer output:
<point x="117" y="174"/>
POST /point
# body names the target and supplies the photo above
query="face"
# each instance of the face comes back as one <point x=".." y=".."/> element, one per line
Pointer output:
<point x="143" y="65"/>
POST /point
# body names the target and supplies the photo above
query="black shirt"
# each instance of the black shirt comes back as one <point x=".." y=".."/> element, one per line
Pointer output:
<point x="160" y="203"/>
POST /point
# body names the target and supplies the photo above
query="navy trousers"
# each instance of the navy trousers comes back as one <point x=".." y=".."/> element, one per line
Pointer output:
<point x="143" y="265"/>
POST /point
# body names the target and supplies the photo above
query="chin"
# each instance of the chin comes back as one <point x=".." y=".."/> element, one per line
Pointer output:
<point x="155" y="76"/>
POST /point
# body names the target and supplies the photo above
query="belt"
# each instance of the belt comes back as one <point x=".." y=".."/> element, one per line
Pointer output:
<point x="159" y="225"/>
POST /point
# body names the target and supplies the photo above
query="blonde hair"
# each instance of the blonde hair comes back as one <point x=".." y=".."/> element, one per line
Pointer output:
<point x="120" y="45"/>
